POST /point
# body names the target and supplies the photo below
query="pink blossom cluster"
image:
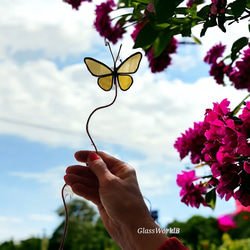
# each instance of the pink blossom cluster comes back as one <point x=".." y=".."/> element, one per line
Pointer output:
<point x="76" y="3"/>
<point x="218" y="7"/>
<point x="103" y="22"/>
<point x="113" y="32"/>
<point x="238" y="72"/>
<point x="225" y="222"/>
<point x="157" y="64"/>
<point x="222" y="142"/>
<point x="191" y="193"/>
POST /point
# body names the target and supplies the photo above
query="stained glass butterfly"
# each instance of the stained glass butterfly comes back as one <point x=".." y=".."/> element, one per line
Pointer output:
<point x="107" y="76"/>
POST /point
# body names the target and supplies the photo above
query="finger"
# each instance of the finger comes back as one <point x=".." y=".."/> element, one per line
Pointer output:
<point x="78" y="170"/>
<point x="111" y="161"/>
<point x="99" y="168"/>
<point x="82" y="155"/>
<point x="71" y="179"/>
<point x="88" y="193"/>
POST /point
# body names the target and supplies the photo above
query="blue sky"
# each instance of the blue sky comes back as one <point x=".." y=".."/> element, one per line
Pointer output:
<point x="46" y="95"/>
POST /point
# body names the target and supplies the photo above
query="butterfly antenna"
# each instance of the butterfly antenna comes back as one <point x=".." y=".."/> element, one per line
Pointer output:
<point x="108" y="44"/>
<point x="118" y="54"/>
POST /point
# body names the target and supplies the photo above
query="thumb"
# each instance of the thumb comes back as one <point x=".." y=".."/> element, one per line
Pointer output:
<point x="98" y="167"/>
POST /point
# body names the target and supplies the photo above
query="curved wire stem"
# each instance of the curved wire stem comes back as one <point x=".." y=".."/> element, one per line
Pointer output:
<point x="65" y="185"/>
<point x="66" y="219"/>
<point x="101" y="107"/>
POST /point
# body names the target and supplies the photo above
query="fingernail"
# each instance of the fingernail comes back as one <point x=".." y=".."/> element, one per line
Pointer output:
<point x="93" y="156"/>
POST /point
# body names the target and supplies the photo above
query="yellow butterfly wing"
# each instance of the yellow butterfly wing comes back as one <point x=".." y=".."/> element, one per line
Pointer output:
<point x="99" y="69"/>
<point x="125" y="81"/>
<point x="129" y="66"/>
<point x="105" y="82"/>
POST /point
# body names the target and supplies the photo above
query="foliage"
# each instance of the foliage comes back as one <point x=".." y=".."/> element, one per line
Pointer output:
<point x="31" y="243"/>
<point x="229" y="244"/>
<point x="198" y="231"/>
<point x="8" y="245"/>
<point x="85" y="229"/>
<point x="157" y="22"/>
<point x="242" y="230"/>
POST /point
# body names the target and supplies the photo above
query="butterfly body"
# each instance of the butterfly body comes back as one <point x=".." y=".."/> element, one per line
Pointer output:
<point x="121" y="74"/>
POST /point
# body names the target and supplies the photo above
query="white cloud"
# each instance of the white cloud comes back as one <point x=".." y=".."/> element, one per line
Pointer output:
<point x="147" y="118"/>
<point x="10" y="219"/>
<point x="42" y="217"/>
<point x="51" y="179"/>
<point x="52" y="28"/>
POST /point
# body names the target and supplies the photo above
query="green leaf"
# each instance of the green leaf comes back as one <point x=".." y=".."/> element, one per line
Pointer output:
<point x="238" y="107"/>
<point x="196" y="39"/>
<point x="209" y="23"/>
<point x="137" y="15"/>
<point x="210" y="198"/>
<point x="237" y="46"/>
<point x="165" y="9"/>
<point x="221" y="21"/>
<point x="204" y="12"/>
<point x="144" y="1"/>
<point x="186" y="27"/>
<point x="161" y="43"/>
<point x="182" y="10"/>
<point x="248" y="4"/>
<point x="132" y="3"/>
<point x="238" y="7"/>
<point x="145" y="37"/>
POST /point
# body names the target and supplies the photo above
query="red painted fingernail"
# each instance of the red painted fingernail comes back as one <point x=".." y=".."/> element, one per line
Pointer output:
<point x="93" y="156"/>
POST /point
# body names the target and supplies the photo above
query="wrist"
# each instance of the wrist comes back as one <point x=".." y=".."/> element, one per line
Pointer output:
<point x="145" y="234"/>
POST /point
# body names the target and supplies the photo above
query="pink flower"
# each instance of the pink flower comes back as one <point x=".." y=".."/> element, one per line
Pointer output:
<point x="192" y="142"/>
<point x="158" y="64"/>
<point x="191" y="194"/>
<point x="190" y="3"/>
<point x="217" y="119"/>
<point x="226" y="148"/>
<point x="214" y="53"/>
<point x="240" y="74"/>
<point x="103" y="22"/>
<point x="186" y="179"/>
<point x="246" y="166"/>
<point x="229" y="181"/>
<point x="76" y="3"/>
<point x="218" y="69"/>
<point x="225" y="223"/>
<point x="243" y="193"/>
<point x="218" y="6"/>
<point x="245" y="115"/>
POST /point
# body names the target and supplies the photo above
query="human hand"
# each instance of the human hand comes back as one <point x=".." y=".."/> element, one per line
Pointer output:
<point x="112" y="186"/>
